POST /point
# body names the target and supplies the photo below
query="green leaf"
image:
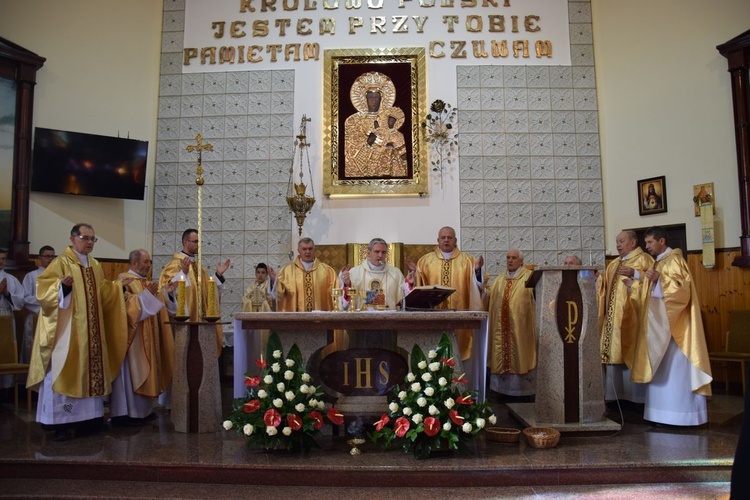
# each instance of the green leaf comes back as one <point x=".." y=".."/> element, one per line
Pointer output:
<point x="445" y="347"/>
<point x="274" y="344"/>
<point x="295" y="354"/>
<point x="417" y="355"/>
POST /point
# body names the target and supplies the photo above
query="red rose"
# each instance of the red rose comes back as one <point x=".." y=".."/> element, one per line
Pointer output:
<point x="431" y="426"/>
<point x="335" y="417"/>
<point x="384" y="419"/>
<point x="317" y="419"/>
<point x="252" y="381"/>
<point x="402" y="426"/>
<point x="251" y="406"/>
<point x="272" y="418"/>
<point x="294" y="422"/>
<point x="457" y="419"/>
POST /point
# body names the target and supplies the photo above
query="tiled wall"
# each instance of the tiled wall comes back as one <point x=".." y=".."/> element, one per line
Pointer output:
<point x="248" y="119"/>
<point x="530" y="175"/>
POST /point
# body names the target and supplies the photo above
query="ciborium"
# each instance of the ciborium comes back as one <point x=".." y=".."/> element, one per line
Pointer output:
<point x="354" y="299"/>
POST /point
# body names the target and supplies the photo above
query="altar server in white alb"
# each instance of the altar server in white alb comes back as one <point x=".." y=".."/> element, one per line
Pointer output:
<point x="671" y="353"/>
<point x="46" y="254"/>
<point x="11" y="299"/>
<point x="379" y="283"/>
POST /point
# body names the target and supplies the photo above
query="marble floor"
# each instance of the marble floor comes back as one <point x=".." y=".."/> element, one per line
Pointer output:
<point x="153" y="461"/>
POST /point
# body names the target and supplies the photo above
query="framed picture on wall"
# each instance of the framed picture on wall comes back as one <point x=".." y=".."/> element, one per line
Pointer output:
<point x="652" y="195"/>
<point x="372" y="103"/>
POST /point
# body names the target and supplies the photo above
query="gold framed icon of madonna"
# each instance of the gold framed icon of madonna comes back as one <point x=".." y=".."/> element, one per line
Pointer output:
<point x="372" y="103"/>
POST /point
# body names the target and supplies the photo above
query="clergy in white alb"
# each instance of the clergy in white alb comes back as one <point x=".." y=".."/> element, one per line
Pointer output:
<point x="11" y="299"/>
<point x="81" y="335"/>
<point x="46" y="254"/>
<point x="147" y="369"/>
<point x="671" y="352"/>
<point x="376" y="281"/>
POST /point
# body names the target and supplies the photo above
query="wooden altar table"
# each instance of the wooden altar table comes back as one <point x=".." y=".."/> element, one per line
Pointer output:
<point x="309" y="330"/>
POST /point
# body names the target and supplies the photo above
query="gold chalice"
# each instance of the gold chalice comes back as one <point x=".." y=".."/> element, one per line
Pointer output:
<point x="336" y="294"/>
<point x="354" y="443"/>
<point x="354" y="299"/>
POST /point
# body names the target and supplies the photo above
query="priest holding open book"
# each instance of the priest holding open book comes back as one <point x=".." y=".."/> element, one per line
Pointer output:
<point x="448" y="266"/>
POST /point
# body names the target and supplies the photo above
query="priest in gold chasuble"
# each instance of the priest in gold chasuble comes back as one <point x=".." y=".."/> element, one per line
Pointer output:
<point x="618" y="329"/>
<point x="81" y="335"/>
<point x="148" y="367"/>
<point x="671" y="353"/>
<point x="184" y="266"/>
<point x="513" y="345"/>
<point x="306" y="283"/>
<point x="448" y="266"/>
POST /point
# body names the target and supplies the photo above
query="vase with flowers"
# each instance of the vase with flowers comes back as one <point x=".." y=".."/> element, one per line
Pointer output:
<point x="440" y="135"/>
<point x="431" y="410"/>
<point x="282" y="409"/>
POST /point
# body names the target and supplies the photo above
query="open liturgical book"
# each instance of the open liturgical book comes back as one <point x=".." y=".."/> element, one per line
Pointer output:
<point x="427" y="296"/>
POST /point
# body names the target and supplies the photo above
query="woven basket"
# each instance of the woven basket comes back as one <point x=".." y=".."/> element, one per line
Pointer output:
<point x="503" y="434"/>
<point x="541" y="437"/>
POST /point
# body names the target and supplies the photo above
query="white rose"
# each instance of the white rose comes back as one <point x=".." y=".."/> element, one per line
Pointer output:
<point x="289" y="395"/>
<point x="227" y="424"/>
<point x="306" y="378"/>
<point x="427" y="377"/>
<point x="300" y="407"/>
<point x="429" y="391"/>
<point x="447" y="426"/>
<point x="422" y="365"/>
<point x="248" y="429"/>
<point x="432" y="354"/>
<point x="480" y="423"/>
<point x="312" y="390"/>
<point x="393" y="407"/>
<point x="271" y="430"/>
<point x="287" y="431"/>
<point x="422" y="402"/>
<point x="275" y="368"/>
<point x="417" y="418"/>
<point x="280" y="387"/>
<point x="433" y="410"/>
<point x="407" y="411"/>
<point x="313" y="402"/>
<point x="492" y="419"/>
<point x="303" y="388"/>
<point x="278" y="403"/>
<point x="402" y="395"/>
<point x="321" y="405"/>
<point x="416" y="387"/>
<point x="277" y="354"/>
<point x="288" y="375"/>
<point x="289" y="363"/>
<point x="443" y="381"/>
<point x="268" y="379"/>
<point x="434" y="366"/>
<point x="466" y="427"/>
<point x="262" y="394"/>
<point x="410" y="377"/>
<point x="450" y="403"/>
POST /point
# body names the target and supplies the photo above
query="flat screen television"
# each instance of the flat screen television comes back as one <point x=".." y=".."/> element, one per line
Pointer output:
<point x="88" y="164"/>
